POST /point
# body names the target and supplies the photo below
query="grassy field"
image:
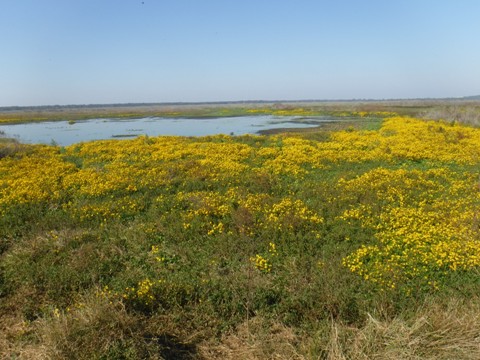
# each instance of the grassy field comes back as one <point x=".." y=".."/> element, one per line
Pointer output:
<point x="357" y="241"/>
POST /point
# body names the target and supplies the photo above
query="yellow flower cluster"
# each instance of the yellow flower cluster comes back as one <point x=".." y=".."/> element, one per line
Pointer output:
<point x="261" y="263"/>
<point x="403" y="138"/>
<point x="422" y="204"/>
<point x="114" y="168"/>
<point x="32" y="179"/>
<point x="265" y="263"/>
<point x="143" y="293"/>
<point x="207" y="207"/>
<point x="289" y="214"/>
<point x="292" y="156"/>
<point x="272" y="249"/>
<point x="425" y="227"/>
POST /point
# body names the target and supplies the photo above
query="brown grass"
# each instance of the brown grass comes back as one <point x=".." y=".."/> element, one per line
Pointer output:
<point x="257" y="338"/>
<point x="450" y="331"/>
<point x="437" y="331"/>
<point x="465" y="114"/>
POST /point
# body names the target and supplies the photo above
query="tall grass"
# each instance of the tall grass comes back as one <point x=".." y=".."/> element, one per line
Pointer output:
<point x="465" y="114"/>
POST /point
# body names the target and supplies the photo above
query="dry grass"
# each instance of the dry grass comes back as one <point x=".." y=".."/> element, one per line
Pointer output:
<point x="102" y="330"/>
<point x="450" y="331"/>
<point x="465" y="114"/>
<point x="257" y="338"/>
<point x="14" y="344"/>
<point x="10" y="147"/>
<point x="95" y="329"/>
<point x="436" y="331"/>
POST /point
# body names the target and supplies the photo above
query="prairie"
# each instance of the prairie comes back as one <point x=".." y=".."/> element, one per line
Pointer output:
<point x="355" y="241"/>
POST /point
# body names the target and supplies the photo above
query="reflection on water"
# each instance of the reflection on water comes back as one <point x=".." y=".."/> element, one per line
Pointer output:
<point x="65" y="133"/>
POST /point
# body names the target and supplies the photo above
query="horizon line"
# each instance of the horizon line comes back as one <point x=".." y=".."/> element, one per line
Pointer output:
<point x="225" y="102"/>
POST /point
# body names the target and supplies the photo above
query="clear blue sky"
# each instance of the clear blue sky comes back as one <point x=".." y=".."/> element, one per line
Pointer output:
<point x="117" y="51"/>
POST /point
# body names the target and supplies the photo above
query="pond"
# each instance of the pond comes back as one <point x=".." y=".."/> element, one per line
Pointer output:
<point x="66" y="133"/>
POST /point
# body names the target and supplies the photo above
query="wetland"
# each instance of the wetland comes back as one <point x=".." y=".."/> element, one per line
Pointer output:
<point x="69" y="132"/>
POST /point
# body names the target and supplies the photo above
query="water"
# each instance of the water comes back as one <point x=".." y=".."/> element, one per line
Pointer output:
<point x="63" y="133"/>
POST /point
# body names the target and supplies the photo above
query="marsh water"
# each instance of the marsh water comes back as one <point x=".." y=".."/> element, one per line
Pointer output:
<point x="66" y="133"/>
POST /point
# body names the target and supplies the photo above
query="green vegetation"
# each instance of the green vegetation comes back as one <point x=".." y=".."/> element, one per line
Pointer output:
<point x="467" y="111"/>
<point x="73" y="113"/>
<point x="357" y="241"/>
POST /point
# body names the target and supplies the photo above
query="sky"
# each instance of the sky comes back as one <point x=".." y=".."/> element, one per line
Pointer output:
<point x="59" y="52"/>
